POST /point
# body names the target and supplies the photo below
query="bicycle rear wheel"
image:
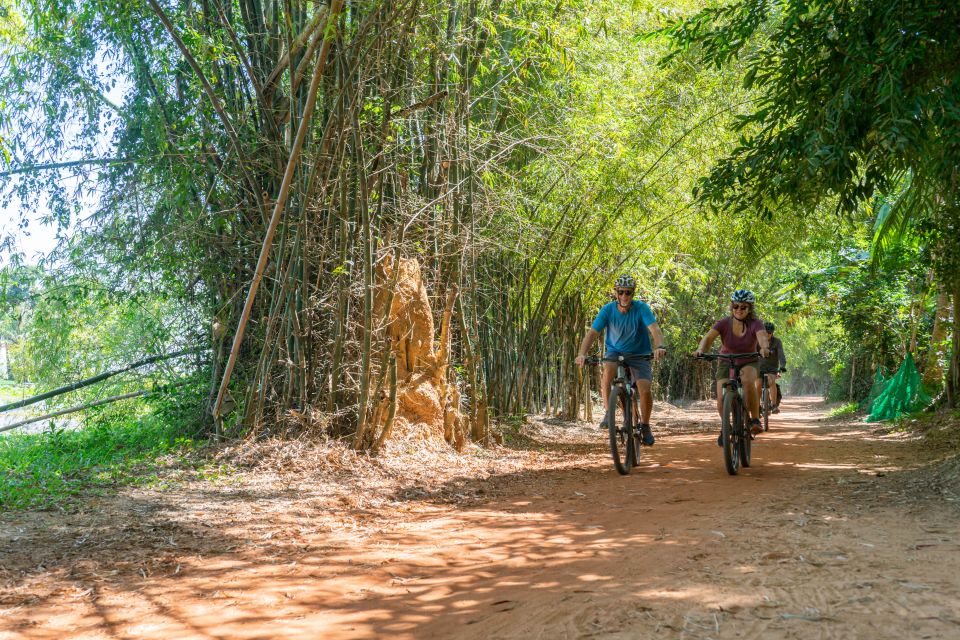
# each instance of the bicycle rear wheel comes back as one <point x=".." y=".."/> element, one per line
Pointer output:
<point x="730" y="420"/>
<point x="619" y="427"/>
<point x="765" y="407"/>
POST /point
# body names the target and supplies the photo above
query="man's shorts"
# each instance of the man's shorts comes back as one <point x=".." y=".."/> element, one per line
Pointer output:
<point x="639" y="369"/>
<point x="723" y="369"/>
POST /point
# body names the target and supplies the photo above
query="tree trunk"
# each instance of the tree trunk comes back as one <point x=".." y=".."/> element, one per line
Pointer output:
<point x="953" y="375"/>
<point x="933" y="367"/>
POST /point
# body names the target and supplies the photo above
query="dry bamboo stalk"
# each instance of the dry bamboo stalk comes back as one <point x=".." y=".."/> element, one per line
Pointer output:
<point x="391" y="407"/>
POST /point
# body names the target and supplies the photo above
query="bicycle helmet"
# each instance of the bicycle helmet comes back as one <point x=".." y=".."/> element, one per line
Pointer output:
<point x="743" y="295"/>
<point x="769" y="326"/>
<point x="625" y="282"/>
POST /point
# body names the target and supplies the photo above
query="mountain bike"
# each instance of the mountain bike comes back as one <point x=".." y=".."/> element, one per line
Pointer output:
<point x="734" y="417"/>
<point x="766" y="406"/>
<point x="624" y="438"/>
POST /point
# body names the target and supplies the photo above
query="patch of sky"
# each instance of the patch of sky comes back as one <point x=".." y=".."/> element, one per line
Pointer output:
<point x="29" y="228"/>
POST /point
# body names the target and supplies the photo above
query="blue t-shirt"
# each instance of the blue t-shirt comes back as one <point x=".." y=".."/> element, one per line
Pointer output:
<point x="626" y="332"/>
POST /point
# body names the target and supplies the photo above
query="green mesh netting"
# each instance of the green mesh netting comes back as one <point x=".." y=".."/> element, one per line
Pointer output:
<point x="903" y="393"/>
<point x="879" y="384"/>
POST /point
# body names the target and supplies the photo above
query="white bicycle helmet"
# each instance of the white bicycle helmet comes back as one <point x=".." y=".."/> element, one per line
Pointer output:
<point x="625" y="282"/>
<point x="743" y="295"/>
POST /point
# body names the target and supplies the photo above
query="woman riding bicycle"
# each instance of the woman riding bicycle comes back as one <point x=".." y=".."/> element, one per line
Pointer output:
<point x="740" y="332"/>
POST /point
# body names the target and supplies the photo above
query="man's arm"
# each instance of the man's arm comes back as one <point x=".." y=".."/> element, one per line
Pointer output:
<point x="764" y="339"/>
<point x="585" y="345"/>
<point x="783" y="356"/>
<point x="656" y="337"/>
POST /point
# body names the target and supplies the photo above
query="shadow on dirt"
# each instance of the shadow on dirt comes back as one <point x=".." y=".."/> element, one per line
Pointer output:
<point x="563" y="544"/>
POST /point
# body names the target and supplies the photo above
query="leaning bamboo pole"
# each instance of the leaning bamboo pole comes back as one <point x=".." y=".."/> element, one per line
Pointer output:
<point x="328" y="33"/>
<point x="87" y="405"/>
<point x="86" y="382"/>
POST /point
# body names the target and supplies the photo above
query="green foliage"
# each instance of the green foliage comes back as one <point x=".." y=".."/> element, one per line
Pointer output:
<point x="50" y="469"/>
<point x="525" y="152"/>
<point x="852" y="95"/>
<point x="844" y="411"/>
<point x="64" y="328"/>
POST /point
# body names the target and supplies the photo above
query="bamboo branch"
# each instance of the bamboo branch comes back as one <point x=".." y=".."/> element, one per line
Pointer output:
<point x="31" y="168"/>
<point x="284" y="62"/>
<point x="214" y="100"/>
<point x="405" y="111"/>
<point x="88" y="405"/>
<point x="81" y="407"/>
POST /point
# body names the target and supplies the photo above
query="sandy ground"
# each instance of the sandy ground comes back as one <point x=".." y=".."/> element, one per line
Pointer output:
<point x="832" y="533"/>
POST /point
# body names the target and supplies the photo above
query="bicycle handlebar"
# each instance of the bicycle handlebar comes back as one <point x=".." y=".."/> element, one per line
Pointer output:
<point x="725" y="356"/>
<point x="596" y="360"/>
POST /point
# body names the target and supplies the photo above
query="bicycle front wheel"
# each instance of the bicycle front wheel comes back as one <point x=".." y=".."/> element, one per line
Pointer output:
<point x="636" y="444"/>
<point x="746" y="438"/>
<point x="619" y="427"/>
<point x="730" y="419"/>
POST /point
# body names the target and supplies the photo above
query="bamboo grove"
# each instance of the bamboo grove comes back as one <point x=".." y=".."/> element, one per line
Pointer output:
<point x="374" y="121"/>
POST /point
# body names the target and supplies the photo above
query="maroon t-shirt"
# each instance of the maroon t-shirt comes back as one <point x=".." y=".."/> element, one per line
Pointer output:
<point x="733" y="343"/>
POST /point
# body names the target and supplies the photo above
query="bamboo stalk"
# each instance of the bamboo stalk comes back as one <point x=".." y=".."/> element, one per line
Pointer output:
<point x="391" y="408"/>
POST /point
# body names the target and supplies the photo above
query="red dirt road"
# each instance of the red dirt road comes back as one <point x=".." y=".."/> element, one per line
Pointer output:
<point x="825" y="536"/>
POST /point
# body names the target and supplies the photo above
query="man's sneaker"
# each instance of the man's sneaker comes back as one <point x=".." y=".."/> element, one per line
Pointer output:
<point x="720" y="439"/>
<point x="776" y="410"/>
<point x="755" y="427"/>
<point x="647" y="434"/>
<point x="604" y="424"/>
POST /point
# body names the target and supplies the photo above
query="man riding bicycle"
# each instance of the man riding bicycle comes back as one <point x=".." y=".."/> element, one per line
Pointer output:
<point x="740" y="332"/>
<point x="630" y="325"/>
<point x="772" y="365"/>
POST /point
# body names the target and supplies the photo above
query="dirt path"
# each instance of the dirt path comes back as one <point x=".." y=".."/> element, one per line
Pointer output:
<point x="822" y="538"/>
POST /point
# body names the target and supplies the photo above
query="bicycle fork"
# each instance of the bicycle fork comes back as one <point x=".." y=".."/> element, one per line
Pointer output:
<point x="740" y="428"/>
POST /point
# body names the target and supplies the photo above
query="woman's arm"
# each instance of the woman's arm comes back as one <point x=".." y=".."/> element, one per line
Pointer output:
<point x="707" y="340"/>
<point x="764" y="339"/>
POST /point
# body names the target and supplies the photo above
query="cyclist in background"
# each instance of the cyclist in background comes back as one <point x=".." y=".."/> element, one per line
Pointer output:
<point x="630" y="324"/>
<point x="773" y="364"/>
<point x="740" y="332"/>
